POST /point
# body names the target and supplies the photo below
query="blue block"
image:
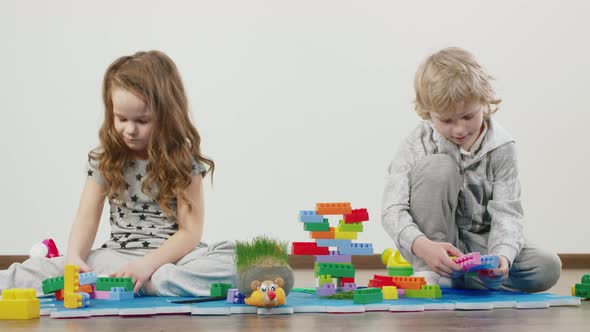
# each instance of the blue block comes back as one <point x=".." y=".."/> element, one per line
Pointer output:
<point x="487" y="262"/>
<point x="119" y="293"/>
<point x="310" y="216"/>
<point x="333" y="243"/>
<point x="357" y="249"/>
<point x="87" y="278"/>
<point x="85" y="299"/>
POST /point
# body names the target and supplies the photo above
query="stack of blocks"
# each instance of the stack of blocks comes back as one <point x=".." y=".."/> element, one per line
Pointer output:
<point x="333" y="247"/>
<point x="76" y="289"/>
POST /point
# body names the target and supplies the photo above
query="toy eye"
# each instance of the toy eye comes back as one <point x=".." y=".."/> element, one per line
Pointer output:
<point x="272" y="287"/>
<point x="263" y="288"/>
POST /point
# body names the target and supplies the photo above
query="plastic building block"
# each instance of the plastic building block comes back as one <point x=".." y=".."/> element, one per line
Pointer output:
<point x="87" y="278"/>
<point x="88" y="289"/>
<point x="325" y="279"/>
<point x="345" y="235"/>
<point x="336" y="270"/>
<point x="357" y="249"/>
<point x="85" y="299"/>
<point x="19" y="303"/>
<point x="326" y="290"/>
<point x="310" y="216"/>
<point x="389" y="292"/>
<point x="333" y="257"/>
<point x="343" y="280"/>
<point x="356" y="215"/>
<point x="348" y="286"/>
<point x="409" y="282"/>
<point x="119" y="293"/>
<point x="333" y="243"/>
<point x="105" y="284"/>
<point x="323" y="235"/>
<point x="583" y="289"/>
<point x="367" y="295"/>
<point x="102" y="295"/>
<point x="469" y="260"/>
<point x="350" y="227"/>
<point x="220" y="289"/>
<point x="381" y="281"/>
<point x="400" y="271"/>
<point x="72" y="300"/>
<point x="333" y="208"/>
<point x="394" y="259"/>
<point x="51" y="285"/>
<point x="83" y="302"/>
<point x="425" y="292"/>
<point x="317" y="226"/>
<point x="308" y="248"/>
<point x="235" y="296"/>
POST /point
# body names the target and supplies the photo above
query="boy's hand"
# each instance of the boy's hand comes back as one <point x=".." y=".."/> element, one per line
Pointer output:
<point x="137" y="270"/>
<point x="436" y="255"/>
<point x="494" y="278"/>
<point x="75" y="260"/>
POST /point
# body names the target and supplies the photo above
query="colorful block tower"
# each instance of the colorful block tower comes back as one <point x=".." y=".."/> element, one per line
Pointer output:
<point x="333" y="247"/>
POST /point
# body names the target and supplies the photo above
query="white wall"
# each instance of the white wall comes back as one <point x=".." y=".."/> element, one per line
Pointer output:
<point x="297" y="102"/>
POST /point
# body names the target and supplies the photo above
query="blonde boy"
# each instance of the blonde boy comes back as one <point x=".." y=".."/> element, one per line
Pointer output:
<point x="453" y="185"/>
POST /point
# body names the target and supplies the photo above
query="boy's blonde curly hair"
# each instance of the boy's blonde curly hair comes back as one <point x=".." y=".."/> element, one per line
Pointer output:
<point x="449" y="77"/>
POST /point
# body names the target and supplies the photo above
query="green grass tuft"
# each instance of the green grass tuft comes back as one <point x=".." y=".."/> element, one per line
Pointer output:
<point x="260" y="249"/>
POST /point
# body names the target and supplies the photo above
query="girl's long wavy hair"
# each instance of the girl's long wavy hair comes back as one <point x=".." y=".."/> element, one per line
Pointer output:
<point x="174" y="143"/>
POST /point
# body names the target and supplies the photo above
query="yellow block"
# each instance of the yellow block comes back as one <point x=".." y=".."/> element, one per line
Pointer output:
<point x="389" y="293"/>
<point x="71" y="287"/>
<point x="19" y="303"/>
<point x="345" y="235"/>
<point x="397" y="260"/>
<point x="72" y="301"/>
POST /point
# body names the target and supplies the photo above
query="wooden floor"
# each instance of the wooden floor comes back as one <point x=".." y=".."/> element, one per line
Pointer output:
<point x="565" y="319"/>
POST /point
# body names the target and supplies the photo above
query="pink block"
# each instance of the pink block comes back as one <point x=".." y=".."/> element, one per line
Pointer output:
<point x="469" y="260"/>
<point x="102" y="295"/>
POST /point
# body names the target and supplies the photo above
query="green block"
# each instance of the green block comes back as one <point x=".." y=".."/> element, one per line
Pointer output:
<point x="336" y="270"/>
<point x="586" y="279"/>
<point x="317" y="226"/>
<point x="219" y="289"/>
<point x="105" y="284"/>
<point x="425" y="292"/>
<point x="367" y="295"/>
<point x="400" y="271"/>
<point x="351" y="227"/>
<point x="583" y="293"/>
<point x="52" y="285"/>
<point x="325" y="279"/>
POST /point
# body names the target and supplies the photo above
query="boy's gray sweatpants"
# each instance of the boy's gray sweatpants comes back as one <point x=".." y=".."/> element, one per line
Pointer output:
<point x="435" y="185"/>
<point x="192" y="275"/>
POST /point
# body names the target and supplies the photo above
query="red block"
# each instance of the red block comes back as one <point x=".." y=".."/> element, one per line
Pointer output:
<point x="346" y="280"/>
<point x="308" y="248"/>
<point x="357" y="215"/>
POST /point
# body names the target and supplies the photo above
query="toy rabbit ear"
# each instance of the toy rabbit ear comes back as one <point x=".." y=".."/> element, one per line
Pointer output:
<point x="255" y="284"/>
<point x="280" y="282"/>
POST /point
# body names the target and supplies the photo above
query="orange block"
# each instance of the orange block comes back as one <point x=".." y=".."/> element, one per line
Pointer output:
<point x="333" y="208"/>
<point x="323" y="235"/>
<point x="409" y="282"/>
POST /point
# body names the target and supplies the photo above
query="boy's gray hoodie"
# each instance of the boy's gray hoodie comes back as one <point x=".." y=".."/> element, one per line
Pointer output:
<point x="489" y="200"/>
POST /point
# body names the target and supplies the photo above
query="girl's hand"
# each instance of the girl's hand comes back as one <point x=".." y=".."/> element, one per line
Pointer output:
<point x="76" y="260"/>
<point x="436" y="255"/>
<point x="494" y="278"/>
<point x="137" y="270"/>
